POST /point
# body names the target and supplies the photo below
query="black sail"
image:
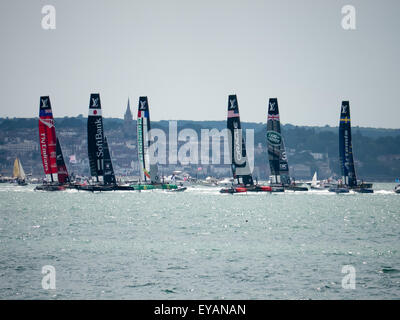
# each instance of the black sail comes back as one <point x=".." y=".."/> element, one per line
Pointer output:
<point x="63" y="176"/>
<point x="345" y="147"/>
<point x="109" y="176"/>
<point x="240" y="165"/>
<point x="274" y="140"/>
<point x="283" y="165"/>
<point x="95" y="137"/>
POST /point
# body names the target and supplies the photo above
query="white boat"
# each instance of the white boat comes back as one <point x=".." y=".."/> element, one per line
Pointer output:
<point x="315" y="183"/>
<point x="226" y="182"/>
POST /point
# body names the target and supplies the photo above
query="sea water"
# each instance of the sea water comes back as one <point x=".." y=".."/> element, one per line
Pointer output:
<point x="199" y="244"/>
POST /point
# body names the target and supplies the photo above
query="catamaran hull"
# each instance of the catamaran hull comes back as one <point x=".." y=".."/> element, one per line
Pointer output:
<point x="50" y="187"/>
<point x="295" y="188"/>
<point x="94" y="188"/>
<point x="246" y="189"/>
<point x="339" y="190"/>
<point x="363" y="190"/>
<point x="154" y="186"/>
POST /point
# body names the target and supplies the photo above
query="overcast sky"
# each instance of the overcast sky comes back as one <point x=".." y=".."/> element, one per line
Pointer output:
<point x="188" y="56"/>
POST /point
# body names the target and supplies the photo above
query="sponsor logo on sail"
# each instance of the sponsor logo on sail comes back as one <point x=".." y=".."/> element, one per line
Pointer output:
<point x="99" y="140"/>
<point x="232" y="103"/>
<point x="344" y="109"/>
<point x="237" y="143"/>
<point x="95" y="102"/>
<point x="142" y="104"/>
<point x="274" y="138"/>
<point x="272" y="106"/>
<point x="44" y="103"/>
<point x="44" y="152"/>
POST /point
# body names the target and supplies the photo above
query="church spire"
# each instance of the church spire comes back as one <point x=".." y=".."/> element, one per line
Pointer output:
<point x="128" y="127"/>
<point x="128" y="113"/>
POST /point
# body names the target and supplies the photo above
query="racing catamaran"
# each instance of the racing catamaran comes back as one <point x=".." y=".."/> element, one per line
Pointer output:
<point x="279" y="179"/>
<point x="243" y="180"/>
<point x="149" y="177"/>
<point x="349" y="179"/>
<point x="99" y="155"/>
<point x="53" y="162"/>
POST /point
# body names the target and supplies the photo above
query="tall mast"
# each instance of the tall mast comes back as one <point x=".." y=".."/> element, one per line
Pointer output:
<point x="240" y="166"/>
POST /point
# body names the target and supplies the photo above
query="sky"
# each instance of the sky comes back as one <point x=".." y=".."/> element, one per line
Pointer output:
<point x="188" y="56"/>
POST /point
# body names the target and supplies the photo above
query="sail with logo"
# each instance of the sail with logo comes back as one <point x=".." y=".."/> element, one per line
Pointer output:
<point x="278" y="162"/>
<point x="144" y="139"/>
<point x="283" y="165"/>
<point x="101" y="168"/>
<point x="53" y="162"/>
<point x="149" y="178"/>
<point x="274" y="140"/>
<point x="240" y="166"/>
<point x="349" y="178"/>
<point x="237" y="150"/>
<point x="48" y="140"/>
<point x="346" y="147"/>
<point x="95" y="136"/>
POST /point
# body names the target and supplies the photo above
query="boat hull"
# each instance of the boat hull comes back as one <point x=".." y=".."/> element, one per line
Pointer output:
<point x="339" y="190"/>
<point x="49" y="187"/>
<point x="362" y="190"/>
<point x="153" y="186"/>
<point x="256" y="188"/>
<point x="295" y="188"/>
<point x="93" y="188"/>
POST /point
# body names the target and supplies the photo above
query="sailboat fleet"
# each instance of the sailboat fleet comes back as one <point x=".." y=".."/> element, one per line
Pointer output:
<point x="103" y="176"/>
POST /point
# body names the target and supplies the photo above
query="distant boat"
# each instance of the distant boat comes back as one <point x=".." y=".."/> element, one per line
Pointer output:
<point x="149" y="177"/>
<point x="19" y="173"/>
<point x="315" y="183"/>
<point x="279" y="179"/>
<point x="243" y="180"/>
<point x="50" y="149"/>
<point x="349" y="179"/>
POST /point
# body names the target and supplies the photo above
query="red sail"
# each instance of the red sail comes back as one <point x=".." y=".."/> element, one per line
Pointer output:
<point x="47" y="138"/>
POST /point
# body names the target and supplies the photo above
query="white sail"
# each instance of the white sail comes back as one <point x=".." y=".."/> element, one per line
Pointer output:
<point x="22" y="175"/>
<point x="314" y="179"/>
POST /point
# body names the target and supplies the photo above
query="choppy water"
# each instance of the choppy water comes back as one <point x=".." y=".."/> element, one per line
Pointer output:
<point x="199" y="244"/>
